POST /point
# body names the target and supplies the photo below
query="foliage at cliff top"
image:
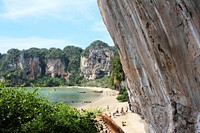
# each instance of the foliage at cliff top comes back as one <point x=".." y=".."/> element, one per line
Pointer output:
<point x="23" y="111"/>
<point x="72" y="54"/>
<point x="13" y="63"/>
<point x="30" y="66"/>
<point x="95" y="45"/>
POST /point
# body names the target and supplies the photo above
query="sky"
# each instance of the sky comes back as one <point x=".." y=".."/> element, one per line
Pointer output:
<point x="50" y="23"/>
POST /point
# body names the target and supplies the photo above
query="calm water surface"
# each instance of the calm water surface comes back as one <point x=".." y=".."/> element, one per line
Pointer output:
<point x="71" y="96"/>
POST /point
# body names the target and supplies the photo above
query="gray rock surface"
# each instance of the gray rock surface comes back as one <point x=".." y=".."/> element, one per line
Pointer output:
<point x="56" y="68"/>
<point x="97" y="61"/>
<point x="158" y="42"/>
<point x="30" y="67"/>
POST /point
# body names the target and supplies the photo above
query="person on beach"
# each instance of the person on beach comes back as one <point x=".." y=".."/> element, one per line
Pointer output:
<point x="107" y="107"/>
<point x="117" y="111"/>
<point x="110" y="114"/>
<point x="123" y="123"/>
<point x="126" y="109"/>
<point x="122" y="110"/>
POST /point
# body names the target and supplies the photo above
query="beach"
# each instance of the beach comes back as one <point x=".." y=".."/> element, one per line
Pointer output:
<point x="109" y="104"/>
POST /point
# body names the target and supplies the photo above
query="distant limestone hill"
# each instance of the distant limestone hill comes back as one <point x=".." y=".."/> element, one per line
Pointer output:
<point x="53" y="67"/>
<point x="95" y="60"/>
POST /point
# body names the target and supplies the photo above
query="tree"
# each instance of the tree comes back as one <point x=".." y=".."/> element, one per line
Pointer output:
<point x="117" y="72"/>
<point x="27" y="112"/>
<point x="54" y="53"/>
<point x="97" y="44"/>
<point x="73" y="55"/>
<point x="13" y="56"/>
<point x="32" y="52"/>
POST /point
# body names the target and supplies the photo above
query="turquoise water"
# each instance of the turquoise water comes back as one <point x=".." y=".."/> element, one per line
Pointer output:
<point x="71" y="96"/>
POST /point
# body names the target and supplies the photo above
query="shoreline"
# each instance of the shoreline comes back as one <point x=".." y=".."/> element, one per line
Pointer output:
<point x="82" y="87"/>
<point x="109" y="104"/>
<point x="100" y="102"/>
<point x="92" y="89"/>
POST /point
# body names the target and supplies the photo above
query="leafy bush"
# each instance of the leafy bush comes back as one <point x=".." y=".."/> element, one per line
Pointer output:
<point x="30" y="53"/>
<point x="55" y="53"/>
<point x="47" y="81"/>
<point x="123" y="96"/>
<point x="13" y="55"/>
<point x="23" y="111"/>
<point x="73" y="55"/>
<point x="117" y="73"/>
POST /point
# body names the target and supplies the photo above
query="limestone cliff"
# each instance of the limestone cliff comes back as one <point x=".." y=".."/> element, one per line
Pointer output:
<point x="96" y="60"/>
<point x="158" y="42"/>
<point x="30" y="66"/>
<point x="56" y="68"/>
<point x="24" y="66"/>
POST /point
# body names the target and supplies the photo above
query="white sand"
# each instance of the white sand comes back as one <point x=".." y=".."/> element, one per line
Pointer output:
<point x="134" y="124"/>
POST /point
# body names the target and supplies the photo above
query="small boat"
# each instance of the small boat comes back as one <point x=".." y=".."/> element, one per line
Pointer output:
<point x="82" y="92"/>
<point x="87" y="101"/>
<point x="101" y="91"/>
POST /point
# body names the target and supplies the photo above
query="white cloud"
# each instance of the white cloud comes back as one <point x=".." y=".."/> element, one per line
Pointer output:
<point x="26" y="43"/>
<point x="15" y="9"/>
<point x="82" y="13"/>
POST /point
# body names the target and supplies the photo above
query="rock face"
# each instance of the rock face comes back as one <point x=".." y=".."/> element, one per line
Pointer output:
<point x="158" y="42"/>
<point x="96" y="60"/>
<point x="30" y="66"/>
<point x="56" y="68"/>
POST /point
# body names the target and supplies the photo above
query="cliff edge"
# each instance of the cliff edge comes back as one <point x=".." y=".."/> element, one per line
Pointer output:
<point x="158" y="42"/>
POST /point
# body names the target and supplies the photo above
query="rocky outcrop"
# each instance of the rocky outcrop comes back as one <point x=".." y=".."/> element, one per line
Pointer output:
<point x="30" y="67"/>
<point x="96" y="60"/>
<point x="158" y="42"/>
<point x="56" y="68"/>
<point x="33" y="67"/>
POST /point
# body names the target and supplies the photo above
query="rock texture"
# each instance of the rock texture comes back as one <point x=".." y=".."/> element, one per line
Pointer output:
<point x="56" y="68"/>
<point x="158" y="42"/>
<point x="33" y="67"/>
<point x="96" y="60"/>
<point x="30" y="66"/>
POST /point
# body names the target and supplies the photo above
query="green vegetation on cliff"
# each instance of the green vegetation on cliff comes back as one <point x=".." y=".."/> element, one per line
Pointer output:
<point x="23" y="111"/>
<point x="56" y="67"/>
<point x="97" y="44"/>
<point x="123" y="96"/>
<point x="117" y="77"/>
<point x="117" y="71"/>
<point x="55" y="53"/>
<point x="73" y="56"/>
<point x="30" y="66"/>
<point x="44" y="81"/>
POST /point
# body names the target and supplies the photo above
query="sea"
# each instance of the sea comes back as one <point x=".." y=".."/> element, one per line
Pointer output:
<point x="74" y="96"/>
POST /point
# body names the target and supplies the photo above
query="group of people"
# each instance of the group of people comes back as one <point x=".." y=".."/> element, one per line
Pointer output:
<point x="117" y="112"/>
<point x="122" y="112"/>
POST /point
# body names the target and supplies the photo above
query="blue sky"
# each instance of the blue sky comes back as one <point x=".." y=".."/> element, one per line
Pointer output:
<point x="50" y="23"/>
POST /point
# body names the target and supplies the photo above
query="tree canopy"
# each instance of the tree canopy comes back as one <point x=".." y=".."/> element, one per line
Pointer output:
<point x="98" y="44"/>
<point x="24" y="111"/>
<point x="12" y="65"/>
